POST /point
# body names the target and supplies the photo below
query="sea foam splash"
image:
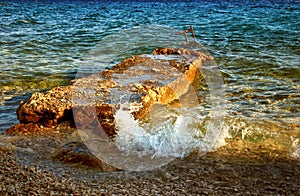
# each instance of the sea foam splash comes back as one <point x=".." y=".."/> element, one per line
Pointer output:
<point x="164" y="133"/>
<point x="175" y="136"/>
<point x="295" y="148"/>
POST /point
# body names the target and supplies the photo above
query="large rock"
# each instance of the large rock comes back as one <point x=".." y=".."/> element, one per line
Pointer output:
<point x="142" y="81"/>
<point x="48" y="108"/>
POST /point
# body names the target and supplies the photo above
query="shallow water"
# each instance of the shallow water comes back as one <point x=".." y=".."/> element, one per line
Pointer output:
<point x="256" y="45"/>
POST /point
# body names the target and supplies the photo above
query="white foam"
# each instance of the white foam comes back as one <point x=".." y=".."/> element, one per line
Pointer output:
<point x="295" y="148"/>
<point x="175" y="136"/>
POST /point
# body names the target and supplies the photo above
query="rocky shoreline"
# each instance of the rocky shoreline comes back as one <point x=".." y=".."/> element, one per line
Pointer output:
<point x="44" y="155"/>
<point x="141" y="83"/>
<point x="239" y="168"/>
<point x="160" y="78"/>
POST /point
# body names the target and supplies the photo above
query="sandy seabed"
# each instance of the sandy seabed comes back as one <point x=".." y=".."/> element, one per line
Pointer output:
<point x="239" y="168"/>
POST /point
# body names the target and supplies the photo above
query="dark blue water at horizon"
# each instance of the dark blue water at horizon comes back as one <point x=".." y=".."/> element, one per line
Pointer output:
<point x="255" y="43"/>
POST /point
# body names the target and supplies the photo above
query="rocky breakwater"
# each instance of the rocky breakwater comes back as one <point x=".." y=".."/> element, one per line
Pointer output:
<point x="140" y="82"/>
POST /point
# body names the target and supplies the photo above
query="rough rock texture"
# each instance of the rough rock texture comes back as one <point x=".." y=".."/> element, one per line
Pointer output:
<point x="23" y="129"/>
<point x="47" y="108"/>
<point x="140" y="81"/>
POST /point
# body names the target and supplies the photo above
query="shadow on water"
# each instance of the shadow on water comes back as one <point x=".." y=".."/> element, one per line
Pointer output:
<point x="8" y="108"/>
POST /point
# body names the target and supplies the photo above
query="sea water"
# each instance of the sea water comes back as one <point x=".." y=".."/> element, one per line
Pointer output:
<point x="255" y="45"/>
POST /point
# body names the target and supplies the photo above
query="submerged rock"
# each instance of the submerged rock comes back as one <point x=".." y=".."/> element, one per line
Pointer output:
<point x="24" y="129"/>
<point x="140" y="81"/>
<point x="78" y="153"/>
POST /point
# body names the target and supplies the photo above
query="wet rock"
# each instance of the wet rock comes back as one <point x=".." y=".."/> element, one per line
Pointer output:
<point x="78" y="153"/>
<point x="47" y="109"/>
<point x="23" y="129"/>
<point x="140" y="81"/>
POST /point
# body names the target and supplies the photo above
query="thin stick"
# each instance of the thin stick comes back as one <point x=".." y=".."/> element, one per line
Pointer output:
<point x="193" y="33"/>
<point x="185" y="34"/>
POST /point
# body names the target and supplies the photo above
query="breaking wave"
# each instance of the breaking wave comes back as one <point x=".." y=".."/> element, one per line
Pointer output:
<point x="176" y="136"/>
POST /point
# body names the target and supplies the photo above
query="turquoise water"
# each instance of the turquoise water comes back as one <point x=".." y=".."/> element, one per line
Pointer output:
<point x="256" y="45"/>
